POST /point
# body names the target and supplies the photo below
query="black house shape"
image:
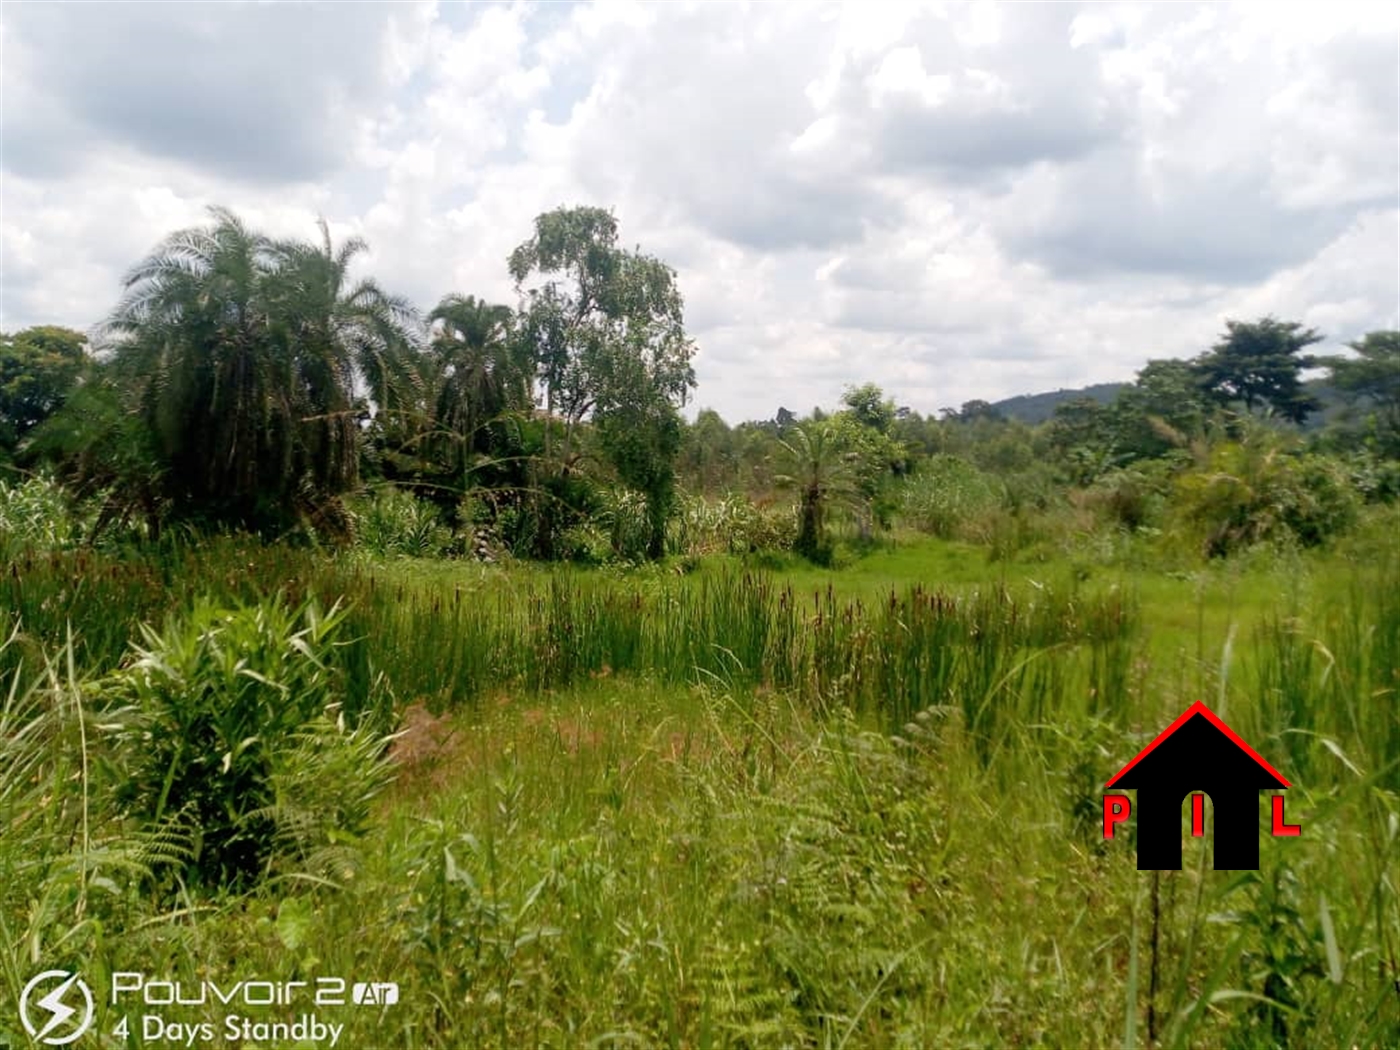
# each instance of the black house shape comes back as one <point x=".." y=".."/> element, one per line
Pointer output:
<point x="1198" y="752"/>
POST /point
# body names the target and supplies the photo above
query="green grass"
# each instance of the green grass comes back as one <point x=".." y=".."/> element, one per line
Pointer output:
<point x="749" y="806"/>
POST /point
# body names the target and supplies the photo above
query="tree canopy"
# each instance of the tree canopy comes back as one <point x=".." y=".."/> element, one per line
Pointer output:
<point x="606" y="331"/>
<point x="1372" y="378"/>
<point x="38" y="368"/>
<point x="1259" y="363"/>
<point x="242" y="354"/>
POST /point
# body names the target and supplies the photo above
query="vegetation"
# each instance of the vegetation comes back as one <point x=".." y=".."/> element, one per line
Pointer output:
<point x="450" y="654"/>
<point x="38" y="368"/>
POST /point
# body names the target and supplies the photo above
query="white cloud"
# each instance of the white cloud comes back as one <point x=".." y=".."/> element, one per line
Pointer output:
<point x="954" y="200"/>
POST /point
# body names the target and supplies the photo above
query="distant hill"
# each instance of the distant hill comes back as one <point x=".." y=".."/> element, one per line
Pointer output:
<point x="1037" y="408"/>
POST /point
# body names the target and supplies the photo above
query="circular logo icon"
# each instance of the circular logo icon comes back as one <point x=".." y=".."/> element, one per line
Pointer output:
<point x="49" y="1014"/>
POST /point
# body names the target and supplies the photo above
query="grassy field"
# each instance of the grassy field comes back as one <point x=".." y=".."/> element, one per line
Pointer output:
<point x="724" y="802"/>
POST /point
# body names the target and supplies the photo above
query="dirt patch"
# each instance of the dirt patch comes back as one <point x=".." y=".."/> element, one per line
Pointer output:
<point x="424" y="740"/>
<point x="574" y="736"/>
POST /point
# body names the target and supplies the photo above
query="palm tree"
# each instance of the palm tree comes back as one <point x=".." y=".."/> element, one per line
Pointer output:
<point x="822" y="473"/>
<point x="481" y="376"/>
<point x="242" y="355"/>
<point x="361" y="326"/>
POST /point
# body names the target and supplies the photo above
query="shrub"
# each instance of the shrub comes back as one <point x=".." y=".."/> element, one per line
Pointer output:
<point x="1247" y="494"/>
<point x="392" y="522"/>
<point x="1375" y="478"/>
<point x="1132" y="497"/>
<point x="585" y="545"/>
<point x="211" y="719"/>
<point x="732" y="525"/>
<point x="623" y="515"/>
<point x="35" y="514"/>
<point x="949" y="497"/>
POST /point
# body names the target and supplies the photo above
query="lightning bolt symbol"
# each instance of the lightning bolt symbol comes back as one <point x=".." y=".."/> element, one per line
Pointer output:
<point x="54" y="1004"/>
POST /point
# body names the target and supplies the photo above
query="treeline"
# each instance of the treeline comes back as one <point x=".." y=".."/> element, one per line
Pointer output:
<point x="1213" y="447"/>
<point x="248" y="383"/>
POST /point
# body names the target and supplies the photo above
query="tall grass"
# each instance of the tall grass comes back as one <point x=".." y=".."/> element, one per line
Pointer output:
<point x="730" y="808"/>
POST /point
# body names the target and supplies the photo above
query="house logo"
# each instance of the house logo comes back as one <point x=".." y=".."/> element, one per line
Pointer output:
<point x="1197" y="753"/>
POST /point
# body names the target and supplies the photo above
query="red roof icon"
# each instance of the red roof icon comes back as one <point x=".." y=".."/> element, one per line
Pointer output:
<point x="1199" y="709"/>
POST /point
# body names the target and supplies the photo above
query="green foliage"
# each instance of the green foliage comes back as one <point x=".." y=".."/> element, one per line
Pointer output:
<point x="876" y="460"/>
<point x="607" y="335"/>
<point x="641" y="434"/>
<point x="325" y="780"/>
<point x="1082" y="430"/>
<point x="585" y="544"/>
<point x="1258" y="363"/>
<point x="212" y="716"/>
<point x="1133" y="498"/>
<point x="823" y="473"/>
<point x="1372" y="379"/>
<point x="69" y="869"/>
<point x="1164" y="409"/>
<point x="732" y="525"/>
<point x="1376" y="478"/>
<point x="38" y="369"/>
<point x="238" y="354"/>
<point x="391" y="522"/>
<point x="624" y="515"/>
<point x="949" y="497"/>
<point x="673" y="814"/>
<point x="868" y="404"/>
<point x="105" y="453"/>
<point x="463" y="417"/>
<point x="1254" y="492"/>
<point x="35" y="515"/>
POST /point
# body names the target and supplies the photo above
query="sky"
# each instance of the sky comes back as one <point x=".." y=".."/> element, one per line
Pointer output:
<point x="954" y="201"/>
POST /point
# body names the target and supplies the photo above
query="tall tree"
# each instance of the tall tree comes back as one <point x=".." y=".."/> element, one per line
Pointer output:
<point x="823" y="473"/>
<point x="479" y="377"/>
<point x="709" y="453"/>
<point x="606" y="330"/>
<point x="38" y="369"/>
<point x="241" y="355"/>
<point x="870" y="406"/>
<point x="1372" y="377"/>
<point x="1259" y="363"/>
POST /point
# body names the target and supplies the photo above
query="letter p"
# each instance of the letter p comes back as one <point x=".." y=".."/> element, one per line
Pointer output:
<point x="1116" y="809"/>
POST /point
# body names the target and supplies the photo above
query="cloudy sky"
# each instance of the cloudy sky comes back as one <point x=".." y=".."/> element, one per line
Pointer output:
<point x="955" y="201"/>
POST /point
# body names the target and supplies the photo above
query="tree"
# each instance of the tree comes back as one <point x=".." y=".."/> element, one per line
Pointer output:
<point x="605" y="329"/>
<point x="709" y="454"/>
<point x="1083" y="432"/>
<point x="479" y="376"/>
<point x="874" y="460"/>
<point x="241" y="354"/>
<point x="1373" y="378"/>
<point x="870" y="407"/>
<point x="822" y="473"/>
<point x="38" y="369"/>
<point x="1164" y="409"/>
<point x="1259" y="364"/>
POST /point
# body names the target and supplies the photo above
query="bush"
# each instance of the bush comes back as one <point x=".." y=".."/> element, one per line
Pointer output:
<point x="35" y="514"/>
<point x="393" y="523"/>
<point x="1132" y="498"/>
<point x="212" y="721"/>
<point x="732" y="525"/>
<point x="585" y="545"/>
<point x="1247" y="495"/>
<point x="1375" y="478"/>
<point x="623" y="515"/>
<point x="949" y="497"/>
